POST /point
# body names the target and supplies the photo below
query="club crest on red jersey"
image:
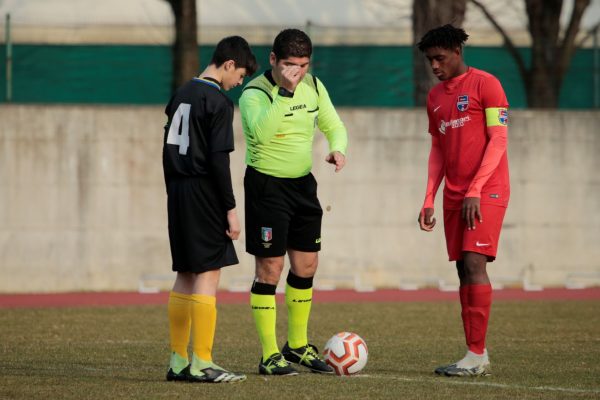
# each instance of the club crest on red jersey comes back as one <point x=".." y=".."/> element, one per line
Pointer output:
<point x="266" y="234"/>
<point x="463" y="102"/>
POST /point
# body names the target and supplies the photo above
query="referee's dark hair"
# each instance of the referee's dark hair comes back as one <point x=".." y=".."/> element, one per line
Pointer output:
<point x="446" y="37"/>
<point x="235" y="48"/>
<point x="292" y="43"/>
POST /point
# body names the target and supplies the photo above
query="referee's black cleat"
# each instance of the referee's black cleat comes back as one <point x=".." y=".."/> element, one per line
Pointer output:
<point x="276" y="364"/>
<point x="307" y="356"/>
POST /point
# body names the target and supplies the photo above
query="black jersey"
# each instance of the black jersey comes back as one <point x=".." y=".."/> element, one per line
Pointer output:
<point x="199" y="123"/>
<point x="198" y="140"/>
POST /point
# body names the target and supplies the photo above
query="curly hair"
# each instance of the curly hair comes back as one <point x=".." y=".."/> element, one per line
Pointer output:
<point x="446" y="37"/>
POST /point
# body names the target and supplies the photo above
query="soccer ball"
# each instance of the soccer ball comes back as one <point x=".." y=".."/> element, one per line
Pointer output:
<point x="346" y="352"/>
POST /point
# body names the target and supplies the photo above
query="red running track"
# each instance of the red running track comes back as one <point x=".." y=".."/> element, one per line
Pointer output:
<point x="329" y="296"/>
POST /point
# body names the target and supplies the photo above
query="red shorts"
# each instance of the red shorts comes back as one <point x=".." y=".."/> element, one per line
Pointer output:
<point x="483" y="239"/>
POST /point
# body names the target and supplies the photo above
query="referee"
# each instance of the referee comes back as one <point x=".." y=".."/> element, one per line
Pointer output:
<point x="280" y="111"/>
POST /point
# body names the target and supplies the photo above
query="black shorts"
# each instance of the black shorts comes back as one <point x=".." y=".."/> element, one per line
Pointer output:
<point x="281" y="213"/>
<point x="197" y="225"/>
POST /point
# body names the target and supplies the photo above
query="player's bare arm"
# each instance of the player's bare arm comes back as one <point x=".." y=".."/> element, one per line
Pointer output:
<point x="471" y="211"/>
<point x="426" y="220"/>
<point x="234" y="225"/>
<point x="336" y="158"/>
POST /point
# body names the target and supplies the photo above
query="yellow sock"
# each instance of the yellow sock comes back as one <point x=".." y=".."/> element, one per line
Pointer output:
<point x="265" y="317"/>
<point x="204" y="321"/>
<point x="180" y="320"/>
<point x="298" y="303"/>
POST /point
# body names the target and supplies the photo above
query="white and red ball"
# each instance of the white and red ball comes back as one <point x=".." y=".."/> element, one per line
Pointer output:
<point x="346" y="352"/>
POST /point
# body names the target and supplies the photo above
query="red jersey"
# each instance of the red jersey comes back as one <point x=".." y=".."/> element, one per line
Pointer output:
<point x="465" y="113"/>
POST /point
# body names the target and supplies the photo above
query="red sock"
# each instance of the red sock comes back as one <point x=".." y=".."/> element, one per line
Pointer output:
<point x="479" y="298"/>
<point x="464" y="304"/>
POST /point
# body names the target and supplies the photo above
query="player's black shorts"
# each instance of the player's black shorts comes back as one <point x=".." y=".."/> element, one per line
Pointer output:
<point x="197" y="225"/>
<point x="281" y="213"/>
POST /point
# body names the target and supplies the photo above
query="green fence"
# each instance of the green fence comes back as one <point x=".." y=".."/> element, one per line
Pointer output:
<point x="365" y="76"/>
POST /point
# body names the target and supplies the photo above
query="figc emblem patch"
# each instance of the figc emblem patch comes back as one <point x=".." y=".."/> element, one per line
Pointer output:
<point x="266" y="234"/>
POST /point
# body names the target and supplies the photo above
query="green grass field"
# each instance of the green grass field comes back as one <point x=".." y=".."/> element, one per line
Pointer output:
<point x="539" y="350"/>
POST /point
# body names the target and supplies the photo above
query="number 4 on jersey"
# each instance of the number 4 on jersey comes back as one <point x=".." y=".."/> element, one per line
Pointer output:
<point x="180" y="119"/>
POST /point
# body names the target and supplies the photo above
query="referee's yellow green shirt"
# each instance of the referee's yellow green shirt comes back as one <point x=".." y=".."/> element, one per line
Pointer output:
<point x="279" y="130"/>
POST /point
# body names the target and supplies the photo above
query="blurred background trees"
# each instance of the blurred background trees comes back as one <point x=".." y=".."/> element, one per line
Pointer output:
<point x="185" y="47"/>
<point x="551" y="51"/>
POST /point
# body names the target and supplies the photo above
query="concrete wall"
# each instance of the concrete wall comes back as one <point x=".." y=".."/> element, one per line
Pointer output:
<point x="83" y="206"/>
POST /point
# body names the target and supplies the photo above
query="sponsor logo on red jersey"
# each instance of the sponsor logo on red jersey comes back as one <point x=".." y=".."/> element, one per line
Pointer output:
<point x="453" y="123"/>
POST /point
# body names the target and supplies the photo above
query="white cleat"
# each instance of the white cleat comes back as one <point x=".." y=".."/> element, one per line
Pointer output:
<point x="471" y="365"/>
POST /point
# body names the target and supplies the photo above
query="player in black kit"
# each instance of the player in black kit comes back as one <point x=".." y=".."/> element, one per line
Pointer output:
<point x="201" y="207"/>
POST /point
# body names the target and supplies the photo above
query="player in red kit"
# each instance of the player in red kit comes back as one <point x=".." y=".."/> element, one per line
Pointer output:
<point x="468" y="121"/>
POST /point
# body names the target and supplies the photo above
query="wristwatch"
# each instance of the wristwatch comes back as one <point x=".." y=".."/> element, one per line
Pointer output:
<point x="285" y="93"/>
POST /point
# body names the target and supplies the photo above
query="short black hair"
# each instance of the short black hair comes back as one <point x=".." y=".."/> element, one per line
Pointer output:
<point x="446" y="37"/>
<point x="292" y="43"/>
<point x="235" y="48"/>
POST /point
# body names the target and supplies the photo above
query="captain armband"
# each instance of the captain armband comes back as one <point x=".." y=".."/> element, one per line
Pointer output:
<point x="496" y="116"/>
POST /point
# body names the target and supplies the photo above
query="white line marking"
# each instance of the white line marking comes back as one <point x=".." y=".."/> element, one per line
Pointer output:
<point x="462" y="381"/>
